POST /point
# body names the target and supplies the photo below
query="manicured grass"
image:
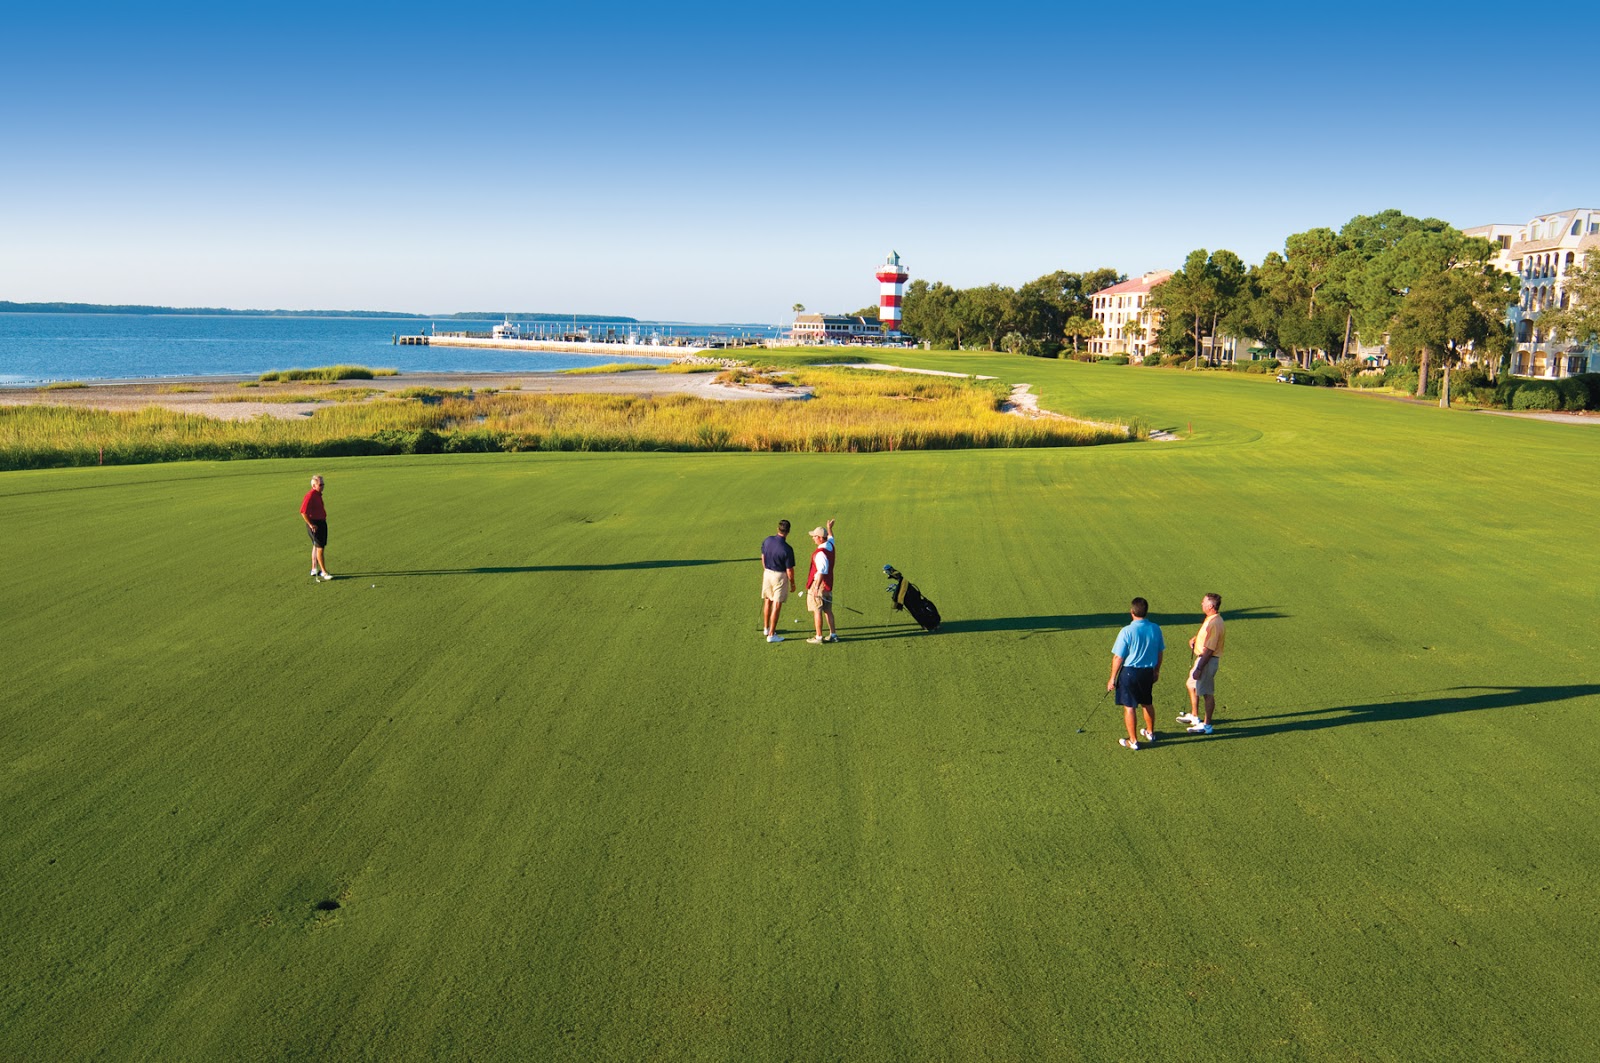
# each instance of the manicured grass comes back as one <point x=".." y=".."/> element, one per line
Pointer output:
<point x="571" y="806"/>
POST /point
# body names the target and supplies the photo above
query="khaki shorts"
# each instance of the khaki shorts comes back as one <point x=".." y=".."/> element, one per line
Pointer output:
<point x="816" y="600"/>
<point x="774" y="586"/>
<point x="1206" y="685"/>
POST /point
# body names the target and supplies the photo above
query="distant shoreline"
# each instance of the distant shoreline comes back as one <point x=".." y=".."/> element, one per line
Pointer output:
<point x="141" y="310"/>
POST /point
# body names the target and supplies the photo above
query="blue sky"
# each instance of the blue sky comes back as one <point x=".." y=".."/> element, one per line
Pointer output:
<point x="722" y="162"/>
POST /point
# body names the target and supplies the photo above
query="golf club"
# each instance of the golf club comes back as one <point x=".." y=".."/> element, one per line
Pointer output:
<point x="1096" y="705"/>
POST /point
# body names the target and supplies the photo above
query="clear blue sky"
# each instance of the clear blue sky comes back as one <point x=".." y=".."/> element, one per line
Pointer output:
<point x="722" y="162"/>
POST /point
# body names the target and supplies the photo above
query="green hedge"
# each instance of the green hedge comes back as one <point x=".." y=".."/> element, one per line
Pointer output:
<point x="1571" y="393"/>
<point x="1536" y="395"/>
<point x="1261" y="366"/>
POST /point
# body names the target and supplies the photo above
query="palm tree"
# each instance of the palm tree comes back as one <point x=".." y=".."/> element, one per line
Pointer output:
<point x="1131" y="332"/>
<point x="1081" y="328"/>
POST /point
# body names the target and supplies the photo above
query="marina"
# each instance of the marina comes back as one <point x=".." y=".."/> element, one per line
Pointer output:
<point x="598" y="338"/>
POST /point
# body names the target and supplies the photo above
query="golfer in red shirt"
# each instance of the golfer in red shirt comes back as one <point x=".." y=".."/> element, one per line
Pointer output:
<point x="315" y="514"/>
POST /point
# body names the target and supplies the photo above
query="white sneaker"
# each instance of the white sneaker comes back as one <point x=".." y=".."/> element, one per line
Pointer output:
<point x="774" y="638"/>
<point x="313" y="573"/>
<point x="1125" y="744"/>
<point x="815" y="640"/>
<point x="1147" y="736"/>
<point x="1188" y="718"/>
<point x="831" y="638"/>
<point x="1200" y="729"/>
<point x="327" y="575"/>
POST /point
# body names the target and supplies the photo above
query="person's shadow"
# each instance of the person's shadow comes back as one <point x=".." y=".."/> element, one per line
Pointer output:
<point x="1028" y="626"/>
<point x="482" y="570"/>
<point x="1422" y="705"/>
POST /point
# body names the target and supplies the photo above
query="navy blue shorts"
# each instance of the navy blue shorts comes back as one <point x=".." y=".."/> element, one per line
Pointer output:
<point x="1136" y="686"/>
<point x="317" y="530"/>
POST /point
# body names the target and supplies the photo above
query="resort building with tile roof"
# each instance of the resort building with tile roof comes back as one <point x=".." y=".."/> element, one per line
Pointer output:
<point x="1125" y="304"/>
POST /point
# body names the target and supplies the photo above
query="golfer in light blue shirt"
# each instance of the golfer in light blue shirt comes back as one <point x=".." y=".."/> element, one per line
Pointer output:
<point x="1135" y="667"/>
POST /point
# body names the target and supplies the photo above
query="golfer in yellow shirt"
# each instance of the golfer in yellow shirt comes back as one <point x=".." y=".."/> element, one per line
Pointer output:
<point x="1202" y="682"/>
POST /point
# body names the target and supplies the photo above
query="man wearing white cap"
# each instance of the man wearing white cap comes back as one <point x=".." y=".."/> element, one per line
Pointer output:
<point x="819" y="583"/>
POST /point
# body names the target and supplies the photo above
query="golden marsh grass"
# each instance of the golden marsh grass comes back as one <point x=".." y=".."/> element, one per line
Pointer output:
<point x="848" y="411"/>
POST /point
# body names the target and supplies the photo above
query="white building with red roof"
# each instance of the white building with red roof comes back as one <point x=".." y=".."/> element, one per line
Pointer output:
<point x="1123" y="305"/>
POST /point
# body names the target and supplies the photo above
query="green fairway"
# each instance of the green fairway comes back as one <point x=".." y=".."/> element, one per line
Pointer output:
<point x="525" y="781"/>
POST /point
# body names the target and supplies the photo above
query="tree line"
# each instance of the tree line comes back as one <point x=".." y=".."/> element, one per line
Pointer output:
<point x="1038" y="318"/>
<point x="1424" y="288"/>
<point x="1429" y="292"/>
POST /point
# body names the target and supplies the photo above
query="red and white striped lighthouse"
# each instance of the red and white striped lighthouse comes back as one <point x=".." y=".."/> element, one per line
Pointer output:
<point x="892" y="279"/>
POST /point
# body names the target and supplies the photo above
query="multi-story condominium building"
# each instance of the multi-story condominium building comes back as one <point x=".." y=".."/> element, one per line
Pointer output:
<point x="1123" y="304"/>
<point x="1543" y="253"/>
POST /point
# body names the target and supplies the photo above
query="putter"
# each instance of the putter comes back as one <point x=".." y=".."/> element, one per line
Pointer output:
<point x="1096" y="705"/>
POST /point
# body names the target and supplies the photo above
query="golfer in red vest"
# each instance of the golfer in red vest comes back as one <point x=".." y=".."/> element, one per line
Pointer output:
<point x="819" y="583"/>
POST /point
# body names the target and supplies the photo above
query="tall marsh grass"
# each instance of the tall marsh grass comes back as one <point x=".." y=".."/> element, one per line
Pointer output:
<point x="849" y="411"/>
<point x="610" y="367"/>
<point x="328" y="373"/>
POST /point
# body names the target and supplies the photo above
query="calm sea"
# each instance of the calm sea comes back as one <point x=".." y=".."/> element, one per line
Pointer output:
<point x="40" y="348"/>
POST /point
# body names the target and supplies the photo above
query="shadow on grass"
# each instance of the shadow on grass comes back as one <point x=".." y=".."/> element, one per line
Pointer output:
<point x="492" y="570"/>
<point x="1421" y="706"/>
<point x="1035" y="625"/>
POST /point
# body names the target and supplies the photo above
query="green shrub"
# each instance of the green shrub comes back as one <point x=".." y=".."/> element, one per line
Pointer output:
<point x="1537" y="395"/>
<point x="1401" y="377"/>
<point x="1113" y="359"/>
<point x="1367" y="379"/>
<point x="1581" y="392"/>
<point x="1505" y="390"/>
<point x="1262" y="366"/>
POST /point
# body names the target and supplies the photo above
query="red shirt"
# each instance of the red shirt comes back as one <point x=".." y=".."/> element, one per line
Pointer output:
<point x="311" y="506"/>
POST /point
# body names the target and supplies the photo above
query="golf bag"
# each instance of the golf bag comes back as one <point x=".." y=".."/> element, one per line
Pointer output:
<point x="903" y="594"/>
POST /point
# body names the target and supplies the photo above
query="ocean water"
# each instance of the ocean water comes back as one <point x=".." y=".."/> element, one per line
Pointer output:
<point x="41" y="348"/>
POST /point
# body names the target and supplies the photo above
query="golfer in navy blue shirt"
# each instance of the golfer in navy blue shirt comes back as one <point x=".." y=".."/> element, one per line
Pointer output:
<point x="1135" y="667"/>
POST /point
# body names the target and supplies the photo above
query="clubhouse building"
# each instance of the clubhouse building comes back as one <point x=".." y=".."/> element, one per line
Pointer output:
<point x="834" y="328"/>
